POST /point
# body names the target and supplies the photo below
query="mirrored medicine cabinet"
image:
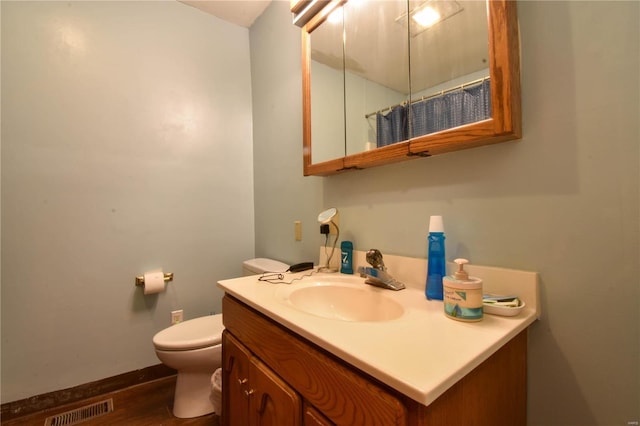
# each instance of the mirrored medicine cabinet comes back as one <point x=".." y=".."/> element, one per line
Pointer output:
<point x="380" y="85"/>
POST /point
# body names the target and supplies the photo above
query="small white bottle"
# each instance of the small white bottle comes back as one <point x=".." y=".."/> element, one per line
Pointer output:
<point x="462" y="295"/>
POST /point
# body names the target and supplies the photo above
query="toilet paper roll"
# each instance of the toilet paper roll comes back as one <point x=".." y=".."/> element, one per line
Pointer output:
<point x="154" y="282"/>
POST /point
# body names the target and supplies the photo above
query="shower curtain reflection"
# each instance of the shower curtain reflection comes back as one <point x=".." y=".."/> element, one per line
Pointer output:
<point x="463" y="105"/>
<point x="392" y="126"/>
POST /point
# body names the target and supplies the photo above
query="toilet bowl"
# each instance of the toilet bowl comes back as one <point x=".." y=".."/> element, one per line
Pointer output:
<point x="194" y="349"/>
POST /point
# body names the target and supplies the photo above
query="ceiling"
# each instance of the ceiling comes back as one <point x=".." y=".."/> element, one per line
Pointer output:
<point x="239" y="12"/>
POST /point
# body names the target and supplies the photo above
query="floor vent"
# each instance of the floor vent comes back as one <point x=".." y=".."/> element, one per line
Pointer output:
<point x="80" y="414"/>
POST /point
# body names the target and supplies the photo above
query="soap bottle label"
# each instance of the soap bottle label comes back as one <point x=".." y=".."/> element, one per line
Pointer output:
<point x="464" y="305"/>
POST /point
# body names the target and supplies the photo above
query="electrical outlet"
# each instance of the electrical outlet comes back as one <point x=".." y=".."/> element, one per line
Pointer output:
<point x="297" y="230"/>
<point x="176" y="316"/>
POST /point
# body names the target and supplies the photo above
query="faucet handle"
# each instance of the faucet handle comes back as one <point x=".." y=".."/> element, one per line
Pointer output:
<point x="374" y="258"/>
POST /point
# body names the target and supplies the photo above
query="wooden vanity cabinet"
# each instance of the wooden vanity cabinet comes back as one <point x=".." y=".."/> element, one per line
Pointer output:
<point x="272" y="376"/>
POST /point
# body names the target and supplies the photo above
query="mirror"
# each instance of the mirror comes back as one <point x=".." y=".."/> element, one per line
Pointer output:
<point x="376" y="52"/>
<point x="397" y="102"/>
<point x="454" y="89"/>
<point x="327" y="113"/>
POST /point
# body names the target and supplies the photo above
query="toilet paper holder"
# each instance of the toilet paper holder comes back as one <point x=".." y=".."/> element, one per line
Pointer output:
<point x="168" y="276"/>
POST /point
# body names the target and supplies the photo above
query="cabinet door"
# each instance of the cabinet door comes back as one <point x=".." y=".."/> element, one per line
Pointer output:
<point x="235" y="382"/>
<point x="273" y="402"/>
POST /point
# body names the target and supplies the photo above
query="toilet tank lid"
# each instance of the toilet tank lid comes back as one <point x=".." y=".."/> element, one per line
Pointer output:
<point x="191" y="334"/>
<point x="260" y="265"/>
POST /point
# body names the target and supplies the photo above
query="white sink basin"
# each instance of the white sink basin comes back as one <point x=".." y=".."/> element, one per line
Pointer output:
<point x="345" y="302"/>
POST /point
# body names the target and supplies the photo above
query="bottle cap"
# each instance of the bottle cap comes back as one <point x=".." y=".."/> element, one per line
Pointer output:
<point x="435" y="224"/>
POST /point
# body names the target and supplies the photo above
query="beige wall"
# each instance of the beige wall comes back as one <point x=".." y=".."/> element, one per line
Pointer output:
<point x="562" y="201"/>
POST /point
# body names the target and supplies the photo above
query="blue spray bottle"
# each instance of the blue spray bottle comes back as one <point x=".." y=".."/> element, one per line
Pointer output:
<point x="436" y="265"/>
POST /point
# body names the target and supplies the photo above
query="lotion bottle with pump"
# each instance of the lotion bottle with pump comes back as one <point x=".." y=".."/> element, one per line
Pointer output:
<point x="462" y="295"/>
<point x="436" y="265"/>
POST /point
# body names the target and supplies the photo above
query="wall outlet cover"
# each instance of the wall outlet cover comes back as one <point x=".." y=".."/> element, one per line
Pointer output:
<point x="176" y="316"/>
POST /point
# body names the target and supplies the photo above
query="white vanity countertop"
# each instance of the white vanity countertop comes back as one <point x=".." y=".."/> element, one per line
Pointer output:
<point x="420" y="354"/>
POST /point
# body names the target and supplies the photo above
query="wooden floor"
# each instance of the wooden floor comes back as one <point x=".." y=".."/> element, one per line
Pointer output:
<point x="148" y="404"/>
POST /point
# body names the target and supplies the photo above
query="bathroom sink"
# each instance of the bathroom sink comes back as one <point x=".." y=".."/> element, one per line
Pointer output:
<point x="345" y="302"/>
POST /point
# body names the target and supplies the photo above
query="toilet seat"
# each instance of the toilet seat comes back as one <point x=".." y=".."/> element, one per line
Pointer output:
<point x="191" y="334"/>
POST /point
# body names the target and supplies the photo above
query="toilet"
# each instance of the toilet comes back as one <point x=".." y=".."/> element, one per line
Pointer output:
<point x="194" y="349"/>
<point x="261" y="265"/>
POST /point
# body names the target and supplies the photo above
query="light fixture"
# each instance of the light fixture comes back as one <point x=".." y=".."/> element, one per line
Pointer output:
<point x="305" y="10"/>
<point x="429" y="14"/>
<point x="426" y="17"/>
<point x="326" y="218"/>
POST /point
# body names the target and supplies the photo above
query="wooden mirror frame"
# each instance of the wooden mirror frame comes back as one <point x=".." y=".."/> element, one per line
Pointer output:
<point x="506" y="115"/>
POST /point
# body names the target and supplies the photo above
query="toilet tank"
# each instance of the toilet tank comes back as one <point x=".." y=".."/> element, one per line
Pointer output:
<point x="261" y="265"/>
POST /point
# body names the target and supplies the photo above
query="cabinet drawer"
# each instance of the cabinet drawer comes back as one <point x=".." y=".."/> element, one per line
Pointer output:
<point x="343" y="395"/>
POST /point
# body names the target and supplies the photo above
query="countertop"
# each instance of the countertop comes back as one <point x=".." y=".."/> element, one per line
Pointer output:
<point x="420" y="354"/>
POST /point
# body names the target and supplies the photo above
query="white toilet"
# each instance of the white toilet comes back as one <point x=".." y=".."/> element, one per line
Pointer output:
<point x="194" y="349"/>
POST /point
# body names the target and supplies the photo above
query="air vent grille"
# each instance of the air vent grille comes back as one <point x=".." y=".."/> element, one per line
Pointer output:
<point x="81" y="414"/>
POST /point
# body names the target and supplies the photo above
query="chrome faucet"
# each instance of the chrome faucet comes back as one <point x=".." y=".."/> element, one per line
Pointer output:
<point x="377" y="274"/>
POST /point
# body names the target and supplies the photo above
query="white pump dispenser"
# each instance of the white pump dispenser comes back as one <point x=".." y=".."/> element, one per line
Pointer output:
<point x="461" y="274"/>
<point x="462" y="295"/>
